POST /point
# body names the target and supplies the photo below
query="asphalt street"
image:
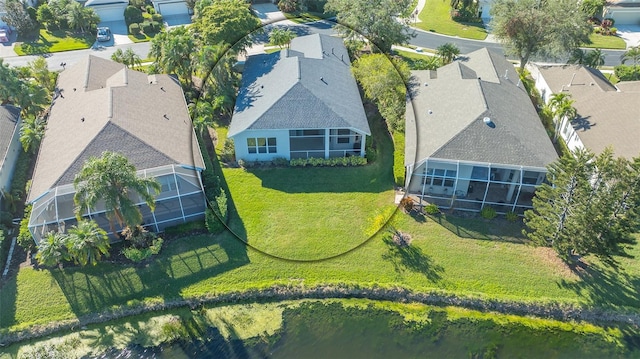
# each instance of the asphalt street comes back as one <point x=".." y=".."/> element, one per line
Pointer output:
<point x="422" y="39"/>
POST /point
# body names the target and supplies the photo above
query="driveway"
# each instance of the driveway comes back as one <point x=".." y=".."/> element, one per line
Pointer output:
<point x="268" y="13"/>
<point x="6" y="48"/>
<point x="119" y="34"/>
<point x="630" y="34"/>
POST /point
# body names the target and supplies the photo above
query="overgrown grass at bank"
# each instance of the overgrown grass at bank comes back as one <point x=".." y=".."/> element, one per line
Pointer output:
<point x="340" y="328"/>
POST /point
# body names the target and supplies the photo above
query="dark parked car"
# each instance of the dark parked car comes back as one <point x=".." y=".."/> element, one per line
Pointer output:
<point x="104" y="34"/>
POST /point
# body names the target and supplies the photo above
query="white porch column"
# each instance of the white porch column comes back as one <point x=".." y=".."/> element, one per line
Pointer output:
<point x="362" y="145"/>
<point x="514" y="182"/>
<point x="327" y="142"/>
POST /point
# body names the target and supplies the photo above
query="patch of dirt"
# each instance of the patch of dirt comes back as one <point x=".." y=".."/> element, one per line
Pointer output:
<point x="550" y="259"/>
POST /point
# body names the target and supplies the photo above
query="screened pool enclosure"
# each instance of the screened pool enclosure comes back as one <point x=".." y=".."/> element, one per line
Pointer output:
<point x="181" y="200"/>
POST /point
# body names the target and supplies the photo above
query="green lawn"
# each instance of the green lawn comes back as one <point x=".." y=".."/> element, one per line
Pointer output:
<point x="606" y="42"/>
<point x="435" y="18"/>
<point x="55" y="41"/>
<point x="411" y="58"/>
<point x="306" y="16"/>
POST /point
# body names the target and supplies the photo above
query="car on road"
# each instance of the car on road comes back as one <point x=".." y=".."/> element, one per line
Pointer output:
<point x="104" y="34"/>
<point x="5" y="31"/>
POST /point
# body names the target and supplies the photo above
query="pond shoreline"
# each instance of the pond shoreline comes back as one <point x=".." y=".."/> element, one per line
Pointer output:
<point x="549" y="310"/>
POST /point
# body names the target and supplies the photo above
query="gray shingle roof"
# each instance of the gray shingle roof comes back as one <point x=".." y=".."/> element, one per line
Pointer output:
<point x="106" y="106"/>
<point x="9" y="116"/>
<point x="607" y="115"/>
<point x="309" y="85"/>
<point x="445" y="116"/>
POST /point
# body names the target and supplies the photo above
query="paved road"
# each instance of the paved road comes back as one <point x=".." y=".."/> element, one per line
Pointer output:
<point x="423" y="39"/>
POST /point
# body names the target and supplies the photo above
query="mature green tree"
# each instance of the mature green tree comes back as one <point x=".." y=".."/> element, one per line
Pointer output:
<point x="215" y="64"/>
<point x="52" y="249"/>
<point x="447" y="52"/>
<point x="16" y="16"/>
<point x="39" y="70"/>
<point x="174" y="53"/>
<point x="281" y="37"/>
<point x="594" y="58"/>
<point x="592" y="8"/>
<point x="383" y="82"/>
<point x="31" y="97"/>
<point x="31" y="133"/>
<point x="113" y="178"/>
<point x="227" y="22"/>
<point x="539" y="28"/>
<point x="81" y="18"/>
<point x="375" y="20"/>
<point x="589" y="207"/>
<point x="127" y="57"/>
<point x="578" y="56"/>
<point x="9" y="83"/>
<point x="202" y="114"/>
<point x="87" y="243"/>
<point x="46" y="16"/>
<point x="561" y="106"/>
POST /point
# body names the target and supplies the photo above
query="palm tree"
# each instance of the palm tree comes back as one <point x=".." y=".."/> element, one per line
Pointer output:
<point x="561" y="106"/>
<point x="31" y="97"/>
<point x="632" y="54"/>
<point x="202" y="115"/>
<point x="578" y="57"/>
<point x="281" y="37"/>
<point x="594" y="58"/>
<point x="31" y="133"/>
<point x="52" y="250"/>
<point x="447" y="52"/>
<point x="174" y="52"/>
<point x="80" y="17"/>
<point x="87" y="242"/>
<point x="131" y="59"/>
<point x="113" y="178"/>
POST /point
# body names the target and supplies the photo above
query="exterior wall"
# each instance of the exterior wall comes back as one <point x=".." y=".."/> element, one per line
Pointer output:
<point x="242" y="151"/>
<point x="181" y="200"/>
<point x="471" y="186"/>
<point x="627" y="15"/>
<point x="9" y="162"/>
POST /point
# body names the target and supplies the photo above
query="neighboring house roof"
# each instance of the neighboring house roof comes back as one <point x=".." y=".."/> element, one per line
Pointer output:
<point x="445" y="117"/>
<point x="9" y="116"/>
<point x="309" y="85"/>
<point x="607" y="115"/>
<point x="104" y="106"/>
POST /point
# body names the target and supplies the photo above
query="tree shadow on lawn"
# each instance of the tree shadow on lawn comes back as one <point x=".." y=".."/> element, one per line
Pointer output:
<point x="479" y="228"/>
<point x="604" y="286"/>
<point x="411" y="258"/>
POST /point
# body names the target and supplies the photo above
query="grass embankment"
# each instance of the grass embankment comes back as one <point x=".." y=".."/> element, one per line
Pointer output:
<point x="55" y="41"/>
<point x="599" y="41"/>
<point x="335" y="328"/>
<point x="435" y="17"/>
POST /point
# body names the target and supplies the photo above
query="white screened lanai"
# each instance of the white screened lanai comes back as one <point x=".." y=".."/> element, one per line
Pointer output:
<point x="181" y="200"/>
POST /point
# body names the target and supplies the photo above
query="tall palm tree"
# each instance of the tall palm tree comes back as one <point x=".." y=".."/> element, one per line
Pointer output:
<point x="562" y="108"/>
<point x="632" y="54"/>
<point x="52" y="249"/>
<point x="447" y="52"/>
<point x="594" y="58"/>
<point x="113" y="178"/>
<point x="87" y="242"/>
<point x="174" y="52"/>
<point x="578" y="57"/>
<point x="31" y="133"/>
<point x="76" y="16"/>
<point x="131" y="59"/>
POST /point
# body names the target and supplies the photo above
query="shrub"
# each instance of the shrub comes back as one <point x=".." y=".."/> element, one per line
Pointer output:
<point x="138" y="237"/>
<point x="613" y="31"/>
<point x="228" y="153"/>
<point x="133" y="15"/>
<point x="146" y="27"/>
<point x="185" y="228"/>
<point x="597" y="30"/>
<point x="156" y="17"/>
<point x="432" y="209"/>
<point x="157" y="26"/>
<point x="406" y="204"/>
<point x="488" y="212"/>
<point x="134" y="29"/>
<point x="4" y="248"/>
<point x="511" y="216"/>
<point x="139" y="254"/>
<point x="24" y="239"/>
<point x="213" y="223"/>
<point x="288" y="5"/>
<point x="370" y="152"/>
<point x="150" y="9"/>
<point x="280" y="162"/>
<point x="331" y="162"/>
<point x="627" y="73"/>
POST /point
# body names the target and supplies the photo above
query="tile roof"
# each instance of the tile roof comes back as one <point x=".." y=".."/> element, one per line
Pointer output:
<point x="607" y="115"/>
<point x="445" y="117"/>
<point x="9" y="116"/>
<point x="309" y="85"/>
<point x="105" y="106"/>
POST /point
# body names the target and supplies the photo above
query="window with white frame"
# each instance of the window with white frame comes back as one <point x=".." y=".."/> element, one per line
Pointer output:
<point x="262" y="145"/>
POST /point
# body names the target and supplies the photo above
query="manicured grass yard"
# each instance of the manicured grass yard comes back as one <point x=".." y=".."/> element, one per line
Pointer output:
<point x="307" y="16"/>
<point x="55" y="41"/>
<point x="435" y="17"/>
<point x="606" y="42"/>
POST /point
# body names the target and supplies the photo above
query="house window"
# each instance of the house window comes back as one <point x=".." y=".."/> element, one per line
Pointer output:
<point x="262" y="145"/>
<point x="344" y="135"/>
<point x="440" y="177"/>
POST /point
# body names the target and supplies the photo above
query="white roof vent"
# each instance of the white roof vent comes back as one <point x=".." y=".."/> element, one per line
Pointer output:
<point x="487" y="121"/>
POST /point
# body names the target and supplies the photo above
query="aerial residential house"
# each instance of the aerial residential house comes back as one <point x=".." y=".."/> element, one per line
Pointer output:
<point x="473" y="137"/>
<point x="300" y="102"/>
<point x="607" y="115"/>
<point x="10" y="146"/>
<point x="101" y="105"/>
<point x="169" y="8"/>
<point x="624" y="12"/>
<point x="108" y="10"/>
